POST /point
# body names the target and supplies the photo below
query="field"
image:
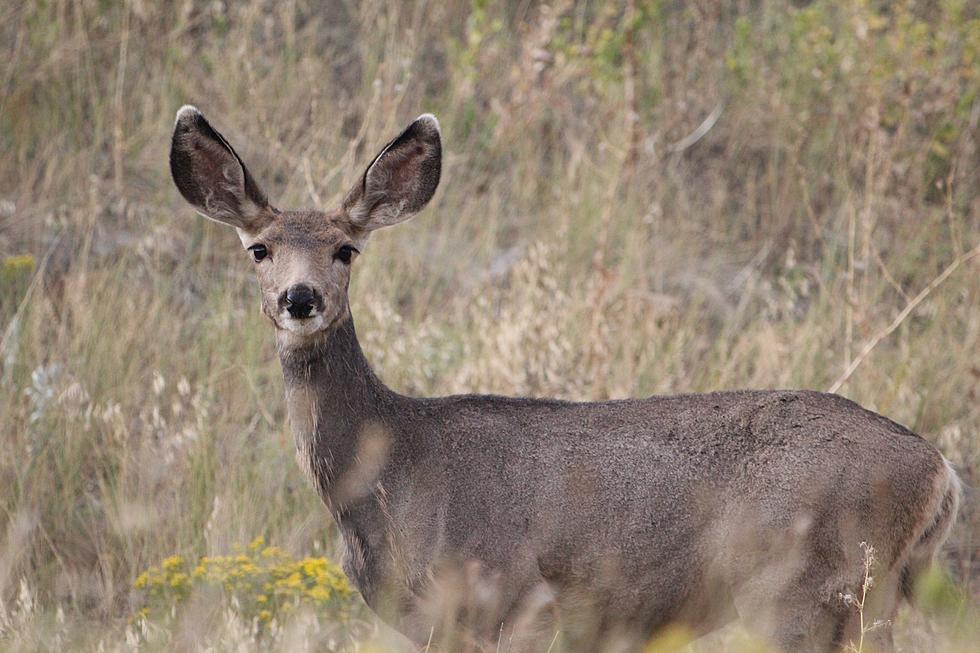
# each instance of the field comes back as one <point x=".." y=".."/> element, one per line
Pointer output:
<point x="658" y="197"/>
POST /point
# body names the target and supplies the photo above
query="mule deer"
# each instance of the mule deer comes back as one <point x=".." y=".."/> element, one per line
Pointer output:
<point x="505" y="515"/>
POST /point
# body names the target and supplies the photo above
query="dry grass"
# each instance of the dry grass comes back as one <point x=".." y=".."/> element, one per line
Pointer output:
<point x="595" y="235"/>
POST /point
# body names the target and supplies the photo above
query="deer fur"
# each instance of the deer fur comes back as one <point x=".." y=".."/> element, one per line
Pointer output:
<point x="507" y="518"/>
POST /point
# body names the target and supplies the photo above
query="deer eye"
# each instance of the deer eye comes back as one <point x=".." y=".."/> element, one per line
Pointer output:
<point x="259" y="252"/>
<point x="345" y="253"/>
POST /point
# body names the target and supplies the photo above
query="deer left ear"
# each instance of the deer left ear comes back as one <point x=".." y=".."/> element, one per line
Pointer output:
<point x="401" y="179"/>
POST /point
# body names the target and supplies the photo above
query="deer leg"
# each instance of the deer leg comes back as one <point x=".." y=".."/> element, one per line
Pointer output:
<point x="791" y="613"/>
<point x="876" y="618"/>
<point x="806" y="627"/>
<point x="532" y="624"/>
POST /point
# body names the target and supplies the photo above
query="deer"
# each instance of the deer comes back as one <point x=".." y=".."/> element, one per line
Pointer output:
<point x="510" y="520"/>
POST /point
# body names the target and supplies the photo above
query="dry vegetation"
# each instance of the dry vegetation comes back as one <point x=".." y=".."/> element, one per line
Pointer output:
<point x="672" y="197"/>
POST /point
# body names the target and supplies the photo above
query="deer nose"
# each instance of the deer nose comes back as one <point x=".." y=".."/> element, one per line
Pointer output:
<point x="299" y="300"/>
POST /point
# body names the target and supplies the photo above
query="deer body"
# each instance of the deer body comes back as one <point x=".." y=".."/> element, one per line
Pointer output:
<point x="620" y="516"/>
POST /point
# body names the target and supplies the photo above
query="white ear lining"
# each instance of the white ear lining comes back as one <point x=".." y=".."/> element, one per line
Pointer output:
<point x="242" y="236"/>
<point x="187" y="109"/>
<point x="432" y="120"/>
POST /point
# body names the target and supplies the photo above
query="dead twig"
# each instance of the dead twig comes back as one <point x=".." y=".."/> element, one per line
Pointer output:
<point x="698" y="133"/>
<point x="900" y="318"/>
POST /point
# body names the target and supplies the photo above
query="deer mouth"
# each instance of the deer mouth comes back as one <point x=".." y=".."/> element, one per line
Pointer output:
<point x="302" y="326"/>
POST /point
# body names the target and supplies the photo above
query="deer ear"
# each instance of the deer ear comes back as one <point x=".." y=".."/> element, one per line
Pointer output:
<point x="212" y="177"/>
<point x="401" y="179"/>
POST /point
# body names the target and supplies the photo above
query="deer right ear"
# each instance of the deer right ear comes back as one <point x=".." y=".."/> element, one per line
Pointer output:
<point x="212" y="177"/>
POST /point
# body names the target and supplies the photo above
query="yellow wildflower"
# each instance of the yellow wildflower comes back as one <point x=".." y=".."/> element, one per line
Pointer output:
<point x="272" y="552"/>
<point x="178" y="580"/>
<point x="319" y="593"/>
<point x="261" y="582"/>
<point x="173" y="563"/>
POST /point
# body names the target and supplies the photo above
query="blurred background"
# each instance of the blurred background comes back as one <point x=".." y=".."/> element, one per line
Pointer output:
<point x="637" y="197"/>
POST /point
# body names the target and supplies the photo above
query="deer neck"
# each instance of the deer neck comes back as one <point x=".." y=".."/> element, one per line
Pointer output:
<point x="345" y="422"/>
<point x="338" y="411"/>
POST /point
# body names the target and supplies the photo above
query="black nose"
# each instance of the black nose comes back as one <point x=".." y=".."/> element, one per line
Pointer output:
<point x="299" y="300"/>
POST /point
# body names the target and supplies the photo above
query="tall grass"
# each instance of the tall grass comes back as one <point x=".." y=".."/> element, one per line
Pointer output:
<point x="668" y="198"/>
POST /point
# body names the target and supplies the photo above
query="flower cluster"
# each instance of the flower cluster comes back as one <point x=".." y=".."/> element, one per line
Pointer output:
<point x="262" y="583"/>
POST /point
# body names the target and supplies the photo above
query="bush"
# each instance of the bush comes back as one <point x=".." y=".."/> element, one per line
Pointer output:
<point x="261" y="583"/>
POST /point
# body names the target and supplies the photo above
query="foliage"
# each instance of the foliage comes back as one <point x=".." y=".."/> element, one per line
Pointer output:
<point x="260" y="582"/>
<point x="15" y="275"/>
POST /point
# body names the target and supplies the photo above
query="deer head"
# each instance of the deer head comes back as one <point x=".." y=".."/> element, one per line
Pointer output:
<point x="303" y="259"/>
